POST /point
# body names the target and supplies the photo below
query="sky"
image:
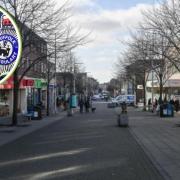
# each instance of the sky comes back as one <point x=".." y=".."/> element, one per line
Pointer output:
<point x="108" y="22"/>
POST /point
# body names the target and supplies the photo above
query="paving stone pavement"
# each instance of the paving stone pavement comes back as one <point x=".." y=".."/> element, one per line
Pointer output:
<point x="88" y="146"/>
<point x="160" y="139"/>
<point x="24" y="127"/>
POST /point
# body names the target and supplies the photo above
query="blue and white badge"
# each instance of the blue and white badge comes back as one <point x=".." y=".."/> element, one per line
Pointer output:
<point x="8" y="49"/>
<point x="10" y="45"/>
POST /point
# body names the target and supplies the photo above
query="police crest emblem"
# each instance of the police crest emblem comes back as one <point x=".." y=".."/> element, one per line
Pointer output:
<point x="10" y="45"/>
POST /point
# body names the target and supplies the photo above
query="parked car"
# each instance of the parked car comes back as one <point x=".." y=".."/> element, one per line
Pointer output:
<point x="96" y="97"/>
<point x="129" y="99"/>
<point x="112" y="103"/>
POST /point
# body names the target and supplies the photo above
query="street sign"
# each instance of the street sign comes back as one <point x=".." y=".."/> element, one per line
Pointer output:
<point x="10" y="45"/>
<point x="140" y="87"/>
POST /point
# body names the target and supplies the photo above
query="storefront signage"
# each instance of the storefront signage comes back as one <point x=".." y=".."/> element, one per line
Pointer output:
<point x="28" y="82"/>
<point x="140" y="87"/>
<point x="10" y="45"/>
<point x="38" y="83"/>
<point x="32" y="83"/>
<point x="9" y="84"/>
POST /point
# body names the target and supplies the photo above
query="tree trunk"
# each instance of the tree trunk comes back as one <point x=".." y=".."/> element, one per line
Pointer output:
<point x="160" y="88"/>
<point x="15" y="99"/>
<point x="47" y="111"/>
<point x="69" y="112"/>
<point x="144" y="92"/>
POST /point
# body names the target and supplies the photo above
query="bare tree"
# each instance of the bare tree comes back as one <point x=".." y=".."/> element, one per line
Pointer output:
<point x="162" y="26"/>
<point x="165" y="21"/>
<point x="44" y="18"/>
<point x="136" y="62"/>
<point x="69" y="63"/>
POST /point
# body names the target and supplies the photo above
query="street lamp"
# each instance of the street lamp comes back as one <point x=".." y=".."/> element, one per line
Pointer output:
<point x="86" y="89"/>
<point x="152" y="85"/>
<point x="55" y="79"/>
<point x="74" y="76"/>
<point x="72" y="98"/>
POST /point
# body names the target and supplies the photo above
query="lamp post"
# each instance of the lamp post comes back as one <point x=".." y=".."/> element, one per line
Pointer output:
<point x="74" y="75"/>
<point x="86" y="89"/>
<point x="72" y="87"/>
<point x="69" y="111"/>
<point x="55" y="79"/>
<point x="152" y="85"/>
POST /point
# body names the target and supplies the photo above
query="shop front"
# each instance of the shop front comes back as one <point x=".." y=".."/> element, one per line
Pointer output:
<point x="6" y="97"/>
<point x="4" y="105"/>
<point x="36" y="94"/>
<point x="31" y="92"/>
<point x="171" y="88"/>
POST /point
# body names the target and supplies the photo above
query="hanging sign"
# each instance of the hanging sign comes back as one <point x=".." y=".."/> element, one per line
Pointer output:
<point x="10" y="45"/>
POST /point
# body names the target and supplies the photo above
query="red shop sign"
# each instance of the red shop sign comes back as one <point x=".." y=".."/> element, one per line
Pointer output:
<point x="10" y="85"/>
<point x="28" y="82"/>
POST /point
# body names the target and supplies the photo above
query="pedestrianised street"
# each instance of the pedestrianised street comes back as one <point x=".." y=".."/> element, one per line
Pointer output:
<point x="88" y="146"/>
<point x="89" y="90"/>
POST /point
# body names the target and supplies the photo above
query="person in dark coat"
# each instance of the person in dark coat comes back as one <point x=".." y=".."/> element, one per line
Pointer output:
<point x="171" y="102"/>
<point x="176" y="105"/>
<point x="81" y="103"/>
<point x="149" y="104"/>
<point x="155" y="104"/>
<point x="87" y="103"/>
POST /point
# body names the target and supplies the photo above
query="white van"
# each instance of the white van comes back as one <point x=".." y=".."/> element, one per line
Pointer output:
<point x="129" y="99"/>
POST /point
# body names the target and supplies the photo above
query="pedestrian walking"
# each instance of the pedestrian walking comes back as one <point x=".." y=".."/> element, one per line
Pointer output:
<point x="92" y="105"/>
<point x="87" y="103"/>
<point x="155" y="104"/>
<point x="81" y="103"/>
<point x="149" y="104"/>
<point x="171" y="102"/>
<point x="176" y="105"/>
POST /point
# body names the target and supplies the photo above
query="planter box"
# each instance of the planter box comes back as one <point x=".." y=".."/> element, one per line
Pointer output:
<point x="123" y="119"/>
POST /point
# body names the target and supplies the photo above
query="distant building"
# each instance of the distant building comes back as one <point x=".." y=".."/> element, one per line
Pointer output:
<point x="103" y="87"/>
<point x="92" y="85"/>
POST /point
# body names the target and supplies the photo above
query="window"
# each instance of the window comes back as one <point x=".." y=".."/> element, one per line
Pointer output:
<point x="3" y="96"/>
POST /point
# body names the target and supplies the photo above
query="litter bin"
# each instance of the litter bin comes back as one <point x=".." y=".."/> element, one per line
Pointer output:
<point x="37" y="113"/>
<point x="166" y="110"/>
<point x="30" y="111"/>
<point x="170" y="110"/>
<point x="73" y="101"/>
<point x="122" y="118"/>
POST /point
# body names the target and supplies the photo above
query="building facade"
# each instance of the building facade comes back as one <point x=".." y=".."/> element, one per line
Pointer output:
<point x="32" y="70"/>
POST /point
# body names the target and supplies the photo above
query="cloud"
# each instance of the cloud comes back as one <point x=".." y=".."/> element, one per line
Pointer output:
<point x="107" y="27"/>
<point x="80" y="3"/>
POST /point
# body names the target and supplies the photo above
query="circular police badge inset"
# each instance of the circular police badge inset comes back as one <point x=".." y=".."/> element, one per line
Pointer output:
<point x="8" y="49"/>
<point x="10" y="45"/>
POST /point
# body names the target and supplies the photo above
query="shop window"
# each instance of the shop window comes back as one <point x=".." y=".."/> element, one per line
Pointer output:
<point x="3" y="96"/>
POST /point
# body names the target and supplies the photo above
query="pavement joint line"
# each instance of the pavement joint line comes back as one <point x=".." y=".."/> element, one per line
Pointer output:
<point x="152" y="159"/>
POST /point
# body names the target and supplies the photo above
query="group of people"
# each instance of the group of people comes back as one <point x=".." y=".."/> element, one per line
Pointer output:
<point x="175" y="103"/>
<point x="85" y="102"/>
<point x="155" y="104"/>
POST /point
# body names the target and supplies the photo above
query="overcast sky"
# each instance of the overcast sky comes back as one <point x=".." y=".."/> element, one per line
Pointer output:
<point x="109" y="22"/>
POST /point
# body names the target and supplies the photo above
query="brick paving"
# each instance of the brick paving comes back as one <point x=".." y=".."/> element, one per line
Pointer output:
<point x="84" y="147"/>
<point x="160" y="139"/>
